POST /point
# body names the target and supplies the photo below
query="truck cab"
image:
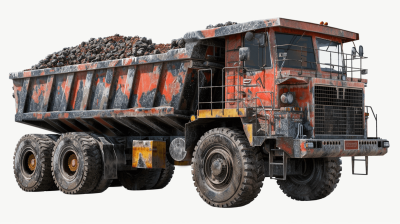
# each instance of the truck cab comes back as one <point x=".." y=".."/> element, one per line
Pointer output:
<point x="306" y="96"/>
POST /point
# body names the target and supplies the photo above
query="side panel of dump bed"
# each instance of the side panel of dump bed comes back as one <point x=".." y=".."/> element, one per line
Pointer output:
<point x="145" y="99"/>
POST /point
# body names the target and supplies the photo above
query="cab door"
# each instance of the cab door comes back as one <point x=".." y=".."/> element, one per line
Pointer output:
<point x="258" y="80"/>
<point x="247" y="82"/>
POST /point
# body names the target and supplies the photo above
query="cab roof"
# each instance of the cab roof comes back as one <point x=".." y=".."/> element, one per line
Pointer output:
<point x="346" y="36"/>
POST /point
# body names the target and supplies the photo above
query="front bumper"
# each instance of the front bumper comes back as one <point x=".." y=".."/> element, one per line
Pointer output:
<point x="296" y="148"/>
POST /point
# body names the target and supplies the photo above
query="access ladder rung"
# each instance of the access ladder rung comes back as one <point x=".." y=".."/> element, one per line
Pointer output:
<point x="363" y="160"/>
<point x="272" y="163"/>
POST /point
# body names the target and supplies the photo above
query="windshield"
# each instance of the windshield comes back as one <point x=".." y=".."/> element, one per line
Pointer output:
<point x="299" y="51"/>
<point x="330" y="55"/>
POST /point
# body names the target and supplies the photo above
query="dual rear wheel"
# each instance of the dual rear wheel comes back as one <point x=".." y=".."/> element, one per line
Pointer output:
<point x="73" y="164"/>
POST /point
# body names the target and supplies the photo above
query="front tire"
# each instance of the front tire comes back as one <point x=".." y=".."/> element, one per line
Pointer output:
<point x="319" y="179"/>
<point x="227" y="171"/>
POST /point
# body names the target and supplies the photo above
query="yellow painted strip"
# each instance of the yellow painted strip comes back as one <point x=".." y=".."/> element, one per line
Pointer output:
<point x="248" y="129"/>
<point x="222" y="113"/>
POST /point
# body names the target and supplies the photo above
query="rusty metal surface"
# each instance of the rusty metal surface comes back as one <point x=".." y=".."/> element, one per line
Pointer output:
<point x="336" y="148"/>
<point x="286" y="123"/>
<point x="116" y="122"/>
<point x="98" y="100"/>
<point x="148" y="154"/>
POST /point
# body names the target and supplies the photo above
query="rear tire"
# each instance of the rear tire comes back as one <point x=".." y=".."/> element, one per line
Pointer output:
<point x="320" y="178"/>
<point x="227" y="171"/>
<point x="165" y="176"/>
<point x="140" y="179"/>
<point x="32" y="163"/>
<point x="76" y="163"/>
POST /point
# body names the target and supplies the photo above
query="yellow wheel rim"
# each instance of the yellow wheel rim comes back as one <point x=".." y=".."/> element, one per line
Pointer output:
<point x="31" y="162"/>
<point x="73" y="163"/>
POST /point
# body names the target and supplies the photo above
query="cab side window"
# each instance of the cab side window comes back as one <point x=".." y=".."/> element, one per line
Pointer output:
<point x="259" y="52"/>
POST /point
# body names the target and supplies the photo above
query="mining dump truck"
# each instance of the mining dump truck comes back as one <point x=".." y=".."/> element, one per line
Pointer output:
<point x="273" y="98"/>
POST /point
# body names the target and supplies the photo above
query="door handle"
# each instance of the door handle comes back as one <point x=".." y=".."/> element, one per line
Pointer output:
<point x="246" y="81"/>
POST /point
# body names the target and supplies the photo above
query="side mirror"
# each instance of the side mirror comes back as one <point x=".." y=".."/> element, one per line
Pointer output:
<point x="353" y="52"/>
<point x="244" y="54"/>
<point x="361" y="51"/>
<point x="249" y="36"/>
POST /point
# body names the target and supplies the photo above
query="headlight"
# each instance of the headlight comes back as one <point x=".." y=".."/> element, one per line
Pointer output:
<point x="386" y="145"/>
<point x="287" y="98"/>
<point x="309" y="144"/>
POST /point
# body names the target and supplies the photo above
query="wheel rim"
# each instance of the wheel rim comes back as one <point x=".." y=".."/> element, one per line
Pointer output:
<point x="217" y="167"/>
<point x="73" y="162"/>
<point x="69" y="163"/>
<point x="308" y="172"/>
<point x="29" y="162"/>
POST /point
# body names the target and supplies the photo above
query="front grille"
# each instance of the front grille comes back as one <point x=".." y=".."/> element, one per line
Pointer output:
<point x="336" y="114"/>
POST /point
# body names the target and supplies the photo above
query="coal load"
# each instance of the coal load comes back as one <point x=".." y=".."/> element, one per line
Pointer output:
<point x="221" y="25"/>
<point x="103" y="49"/>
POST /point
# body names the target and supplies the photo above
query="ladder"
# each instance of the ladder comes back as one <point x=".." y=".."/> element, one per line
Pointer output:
<point x="353" y="159"/>
<point x="274" y="155"/>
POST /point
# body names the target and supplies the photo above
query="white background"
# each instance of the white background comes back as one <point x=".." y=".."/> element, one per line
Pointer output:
<point x="32" y="29"/>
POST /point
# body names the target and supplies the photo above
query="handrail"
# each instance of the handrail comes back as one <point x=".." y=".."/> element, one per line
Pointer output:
<point x="237" y="100"/>
<point x="376" y="120"/>
<point x="343" y="67"/>
<point x="238" y="97"/>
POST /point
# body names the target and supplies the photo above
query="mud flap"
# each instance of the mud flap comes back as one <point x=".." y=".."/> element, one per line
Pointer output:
<point x="109" y="159"/>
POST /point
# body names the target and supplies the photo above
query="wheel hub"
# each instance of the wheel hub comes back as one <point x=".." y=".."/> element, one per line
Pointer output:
<point x="31" y="162"/>
<point x="73" y="163"/>
<point x="217" y="167"/>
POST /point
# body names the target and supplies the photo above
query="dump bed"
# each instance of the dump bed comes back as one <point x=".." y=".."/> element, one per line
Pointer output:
<point x="148" y="95"/>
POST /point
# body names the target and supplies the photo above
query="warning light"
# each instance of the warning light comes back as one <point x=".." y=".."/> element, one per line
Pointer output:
<point x="321" y="23"/>
<point x="326" y="23"/>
